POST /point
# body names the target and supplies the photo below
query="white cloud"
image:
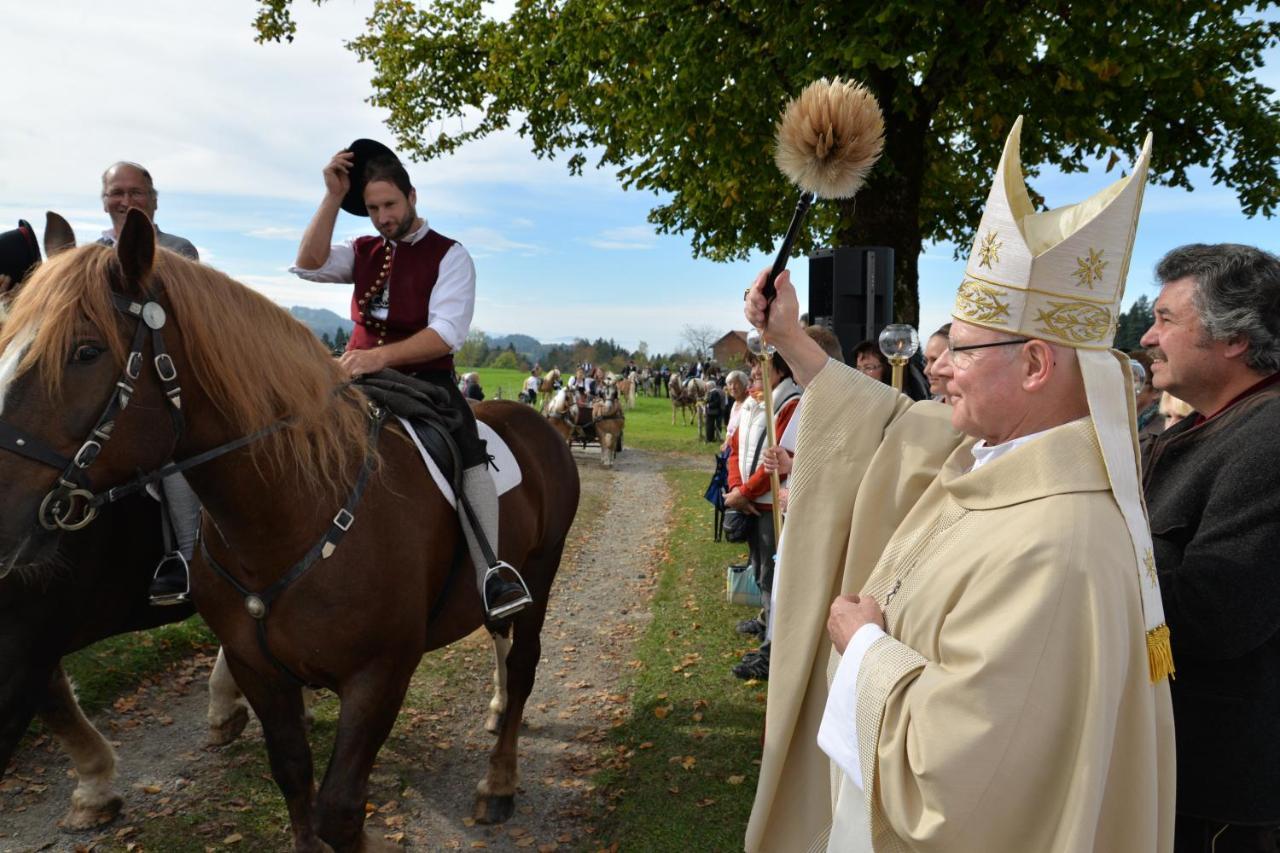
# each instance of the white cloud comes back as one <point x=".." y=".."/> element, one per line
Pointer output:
<point x="482" y="241"/>
<point x="275" y="232"/>
<point x="629" y="238"/>
<point x="222" y="115"/>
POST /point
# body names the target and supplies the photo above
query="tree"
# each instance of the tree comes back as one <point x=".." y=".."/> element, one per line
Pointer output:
<point x="506" y="359"/>
<point x="475" y="349"/>
<point x="680" y="98"/>
<point x="1133" y="324"/>
<point x="340" y="338"/>
<point x="699" y="339"/>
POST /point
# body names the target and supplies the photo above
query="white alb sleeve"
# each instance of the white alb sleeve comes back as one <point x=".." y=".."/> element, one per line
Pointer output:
<point x="838" y="733"/>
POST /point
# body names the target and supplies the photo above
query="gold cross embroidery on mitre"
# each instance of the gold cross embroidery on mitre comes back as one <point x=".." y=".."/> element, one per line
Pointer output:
<point x="1090" y="270"/>
<point x="989" y="251"/>
<point x="1149" y="562"/>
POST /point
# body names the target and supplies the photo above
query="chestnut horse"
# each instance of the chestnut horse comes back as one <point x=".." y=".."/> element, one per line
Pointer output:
<point x="229" y="367"/>
<point x="93" y="587"/>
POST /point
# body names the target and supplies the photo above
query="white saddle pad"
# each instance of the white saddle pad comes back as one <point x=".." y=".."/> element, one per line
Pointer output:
<point x="505" y="471"/>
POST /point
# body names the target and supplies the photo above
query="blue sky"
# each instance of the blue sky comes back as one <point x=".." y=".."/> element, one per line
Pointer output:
<point x="236" y="134"/>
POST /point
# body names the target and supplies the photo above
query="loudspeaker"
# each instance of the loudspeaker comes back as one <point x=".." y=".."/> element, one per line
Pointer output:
<point x="851" y="292"/>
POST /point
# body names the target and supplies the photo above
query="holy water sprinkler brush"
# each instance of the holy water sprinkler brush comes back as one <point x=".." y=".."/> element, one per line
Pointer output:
<point x="828" y="139"/>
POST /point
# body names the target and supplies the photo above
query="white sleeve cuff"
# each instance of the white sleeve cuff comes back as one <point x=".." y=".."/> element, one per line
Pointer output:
<point x="338" y="268"/>
<point x="838" y="734"/>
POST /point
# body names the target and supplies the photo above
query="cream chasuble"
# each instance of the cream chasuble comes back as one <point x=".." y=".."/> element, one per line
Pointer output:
<point x="1009" y="707"/>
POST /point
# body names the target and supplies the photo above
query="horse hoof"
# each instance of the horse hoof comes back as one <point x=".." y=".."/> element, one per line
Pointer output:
<point x="81" y="817"/>
<point x="229" y="729"/>
<point x="494" y="808"/>
<point x="493" y="723"/>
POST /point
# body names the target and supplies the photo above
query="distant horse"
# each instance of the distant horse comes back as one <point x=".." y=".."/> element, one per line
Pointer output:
<point x="547" y="387"/>
<point x="627" y="390"/>
<point x="357" y="618"/>
<point x="92" y="586"/>
<point x="608" y="420"/>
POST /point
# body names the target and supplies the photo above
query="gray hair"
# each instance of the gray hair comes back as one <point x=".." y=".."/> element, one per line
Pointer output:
<point x="1237" y="294"/>
<point x="737" y="376"/>
<point x="131" y="165"/>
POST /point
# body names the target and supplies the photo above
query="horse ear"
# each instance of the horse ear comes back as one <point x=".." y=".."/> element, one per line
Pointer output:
<point x="58" y="236"/>
<point x="136" y="248"/>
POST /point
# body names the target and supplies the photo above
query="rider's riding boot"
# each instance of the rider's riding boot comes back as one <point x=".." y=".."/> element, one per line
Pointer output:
<point x="501" y="588"/>
<point x="172" y="581"/>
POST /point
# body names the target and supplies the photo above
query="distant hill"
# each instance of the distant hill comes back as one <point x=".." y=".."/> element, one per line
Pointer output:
<point x="530" y="348"/>
<point x="321" y="321"/>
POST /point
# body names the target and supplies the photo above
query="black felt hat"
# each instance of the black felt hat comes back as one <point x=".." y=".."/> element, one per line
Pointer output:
<point x="19" y="251"/>
<point x="364" y="150"/>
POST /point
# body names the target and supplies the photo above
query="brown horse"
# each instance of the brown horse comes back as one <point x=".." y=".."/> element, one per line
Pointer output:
<point x="609" y="421"/>
<point x="547" y="387"/>
<point x="94" y="586"/>
<point x="356" y="621"/>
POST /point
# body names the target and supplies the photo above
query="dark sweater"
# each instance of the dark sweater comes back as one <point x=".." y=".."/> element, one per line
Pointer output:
<point x="1213" y="493"/>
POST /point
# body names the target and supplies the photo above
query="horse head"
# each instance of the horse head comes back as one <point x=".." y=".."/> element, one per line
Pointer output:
<point x="163" y="357"/>
<point x="62" y="358"/>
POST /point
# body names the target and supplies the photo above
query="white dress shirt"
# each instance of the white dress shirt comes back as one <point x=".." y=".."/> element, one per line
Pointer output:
<point x="453" y="299"/>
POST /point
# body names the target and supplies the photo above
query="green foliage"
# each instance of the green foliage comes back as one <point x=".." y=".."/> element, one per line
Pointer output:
<point x="680" y="99"/>
<point x="506" y="360"/>
<point x="1131" y="325"/>
<point x="475" y="349"/>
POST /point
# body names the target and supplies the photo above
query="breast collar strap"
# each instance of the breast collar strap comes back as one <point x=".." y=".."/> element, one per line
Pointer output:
<point x="258" y="604"/>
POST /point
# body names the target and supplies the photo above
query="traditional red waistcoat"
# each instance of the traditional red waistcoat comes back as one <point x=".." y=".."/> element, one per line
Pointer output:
<point x="412" y="269"/>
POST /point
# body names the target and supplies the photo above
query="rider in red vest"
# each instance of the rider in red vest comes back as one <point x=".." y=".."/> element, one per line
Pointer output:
<point x="412" y="304"/>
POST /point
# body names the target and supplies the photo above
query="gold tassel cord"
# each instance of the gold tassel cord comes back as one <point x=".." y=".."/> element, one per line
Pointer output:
<point x="1159" y="653"/>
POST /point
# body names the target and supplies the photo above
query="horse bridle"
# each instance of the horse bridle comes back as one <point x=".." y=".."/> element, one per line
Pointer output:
<point x="71" y="504"/>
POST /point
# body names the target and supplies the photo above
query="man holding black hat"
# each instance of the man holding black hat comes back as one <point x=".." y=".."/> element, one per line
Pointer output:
<point x="412" y="305"/>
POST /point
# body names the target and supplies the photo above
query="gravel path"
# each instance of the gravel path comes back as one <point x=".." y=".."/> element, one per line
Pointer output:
<point x="424" y="782"/>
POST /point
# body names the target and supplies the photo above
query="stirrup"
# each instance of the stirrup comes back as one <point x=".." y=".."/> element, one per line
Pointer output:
<point x="511" y="606"/>
<point x="165" y="568"/>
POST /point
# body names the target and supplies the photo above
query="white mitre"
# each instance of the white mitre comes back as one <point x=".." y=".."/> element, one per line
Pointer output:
<point x="1059" y="276"/>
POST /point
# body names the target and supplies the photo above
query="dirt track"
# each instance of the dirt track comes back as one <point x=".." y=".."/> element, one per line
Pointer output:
<point x="422" y="786"/>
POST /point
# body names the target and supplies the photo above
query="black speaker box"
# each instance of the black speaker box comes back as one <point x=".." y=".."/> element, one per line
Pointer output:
<point x="851" y="292"/>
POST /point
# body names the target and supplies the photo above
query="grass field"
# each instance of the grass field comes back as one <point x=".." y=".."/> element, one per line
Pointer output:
<point x="648" y="425"/>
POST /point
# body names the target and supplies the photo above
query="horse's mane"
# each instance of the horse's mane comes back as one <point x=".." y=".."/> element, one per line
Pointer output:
<point x="255" y="362"/>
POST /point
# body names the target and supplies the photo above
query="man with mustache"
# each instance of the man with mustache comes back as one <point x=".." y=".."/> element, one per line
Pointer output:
<point x="412" y="305"/>
<point x="1215" y="519"/>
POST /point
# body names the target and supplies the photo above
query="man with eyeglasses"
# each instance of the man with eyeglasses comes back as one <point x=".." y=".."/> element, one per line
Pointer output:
<point x="992" y="674"/>
<point x="126" y="185"/>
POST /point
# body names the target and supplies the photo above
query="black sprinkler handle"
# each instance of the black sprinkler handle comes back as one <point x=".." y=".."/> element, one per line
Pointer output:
<point x="784" y="251"/>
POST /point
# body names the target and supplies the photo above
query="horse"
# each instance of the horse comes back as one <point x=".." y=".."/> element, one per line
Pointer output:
<point x="92" y="587"/>
<point x="608" y="420"/>
<point x="627" y="390"/>
<point x="282" y="441"/>
<point x="547" y="387"/>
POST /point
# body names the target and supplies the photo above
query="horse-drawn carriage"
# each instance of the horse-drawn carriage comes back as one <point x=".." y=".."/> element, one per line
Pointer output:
<point x="589" y="420"/>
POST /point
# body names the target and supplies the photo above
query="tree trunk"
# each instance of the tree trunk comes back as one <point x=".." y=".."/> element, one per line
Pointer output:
<point x="887" y="212"/>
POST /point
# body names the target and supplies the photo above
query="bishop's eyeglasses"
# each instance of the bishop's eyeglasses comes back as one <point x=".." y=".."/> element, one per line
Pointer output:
<point x="962" y="357"/>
